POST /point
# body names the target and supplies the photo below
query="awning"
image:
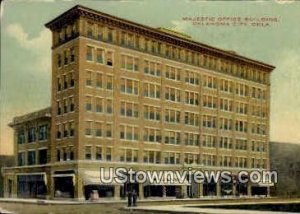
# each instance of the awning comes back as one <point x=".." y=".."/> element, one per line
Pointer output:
<point x="93" y="178"/>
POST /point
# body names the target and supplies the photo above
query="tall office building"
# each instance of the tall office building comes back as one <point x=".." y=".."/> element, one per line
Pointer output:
<point x="128" y="95"/>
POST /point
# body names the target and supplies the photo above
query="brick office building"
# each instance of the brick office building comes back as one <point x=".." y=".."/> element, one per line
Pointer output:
<point x="129" y="95"/>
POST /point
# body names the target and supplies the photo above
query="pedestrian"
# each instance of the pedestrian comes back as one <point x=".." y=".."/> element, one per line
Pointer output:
<point x="129" y="195"/>
<point x="134" y="197"/>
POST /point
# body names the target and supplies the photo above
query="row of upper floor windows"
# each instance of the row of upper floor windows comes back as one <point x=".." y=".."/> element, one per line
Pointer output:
<point x="157" y="157"/>
<point x="133" y="133"/>
<point x="131" y="40"/>
<point x="97" y="79"/>
<point x="33" y="134"/>
<point x="131" y="109"/>
<point x="32" y="157"/>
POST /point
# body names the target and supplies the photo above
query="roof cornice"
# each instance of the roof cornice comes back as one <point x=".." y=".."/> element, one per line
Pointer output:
<point x="81" y="11"/>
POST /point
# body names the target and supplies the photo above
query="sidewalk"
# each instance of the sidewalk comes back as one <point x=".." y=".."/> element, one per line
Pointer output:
<point x="2" y="211"/>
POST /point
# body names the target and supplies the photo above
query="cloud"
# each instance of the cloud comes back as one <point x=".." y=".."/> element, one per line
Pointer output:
<point x="41" y="41"/>
<point x="39" y="46"/>
<point x="285" y="1"/>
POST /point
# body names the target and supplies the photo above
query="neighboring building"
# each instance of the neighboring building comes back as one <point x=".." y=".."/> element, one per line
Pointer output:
<point x="31" y="156"/>
<point x="285" y="159"/>
<point x="128" y="95"/>
<point x="5" y="161"/>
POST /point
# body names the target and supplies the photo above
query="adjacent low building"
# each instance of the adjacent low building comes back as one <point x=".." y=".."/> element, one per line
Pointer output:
<point x="129" y="95"/>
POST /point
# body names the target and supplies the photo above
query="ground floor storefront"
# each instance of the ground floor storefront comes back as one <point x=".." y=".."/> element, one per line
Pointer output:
<point x="86" y="184"/>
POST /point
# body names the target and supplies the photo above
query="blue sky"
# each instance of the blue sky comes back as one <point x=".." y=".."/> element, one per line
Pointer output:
<point x="26" y="53"/>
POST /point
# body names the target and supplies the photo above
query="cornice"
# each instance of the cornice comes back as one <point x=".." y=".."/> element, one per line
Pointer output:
<point x="81" y="11"/>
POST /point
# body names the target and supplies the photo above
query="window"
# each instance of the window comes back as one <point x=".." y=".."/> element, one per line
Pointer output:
<point x="226" y="86"/>
<point x="241" y="89"/>
<point x="191" y="98"/>
<point x="171" y="157"/>
<point x="110" y="35"/>
<point x="108" y="130"/>
<point x="241" y="108"/>
<point x="43" y="156"/>
<point x="58" y="131"/>
<point x="108" y="154"/>
<point x="209" y="121"/>
<point x="129" y="109"/>
<point x="99" y="129"/>
<point x="152" y="157"/>
<point x="128" y="155"/>
<point x="65" y="130"/>
<point x="151" y="90"/>
<point x="21" y="158"/>
<point x="100" y="56"/>
<point x="58" y="84"/>
<point x="225" y="104"/>
<point x="190" y="158"/>
<point x="152" y="135"/>
<point x="209" y="140"/>
<point x="100" y="29"/>
<point x="65" y="57"/>
<point x="109" y="82"/>
<point x="71" y="129"/>
<point x="88" y="152"/>
<point x="192" y="78"/>
<point x="109" y="58"/>
<point x="172" y="73"/>
<point x="109" y="106"/>
<point x="225" y="161"/>
<point x="172" y="94"/>
<point x="90" y="30"/>
<point x="241" y="144"/>
<point x="72" y="53"/>
<point x="65" y="79"/>
<point x="57" y="154"/>
<point x="210" y="82"/>
<point x="225" y="143"/>
<point x="191" y="139"/>
<point x="172" y="137"/>
<point x="99" y="154"/>
<point x="99" y="104"/>
<point x="210" y="101"/>
<point x="72" y="105"/>
<point x="59" y="60"/>
<point x="151" y="113"/>
<point x="209" y="160"/>
<point x="225" y="124"/>
<point x="129" y="63"/>
<point x="241" y="126"/>
<point x="129" y="86"/>
<point x="72" y="80"/>
<point x="31" y="158"/>
<point x="129" y="133"/>
<point x="88" y="128"/>
<point x="172" y="116"/>
<point x="43" y="132"/>
<point x="88" y="81"/>
<point x="89" y="53"/>
<point x="21" y="137"/>
<point x="152" y="68"/>
<point x="191" y="119"/>
<point x="31" y="135"/>
<point x="88" y="103"/>
<point x="65" y="106"/>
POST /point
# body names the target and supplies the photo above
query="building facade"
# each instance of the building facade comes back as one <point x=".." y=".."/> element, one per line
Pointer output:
<point x="128" y="95"/>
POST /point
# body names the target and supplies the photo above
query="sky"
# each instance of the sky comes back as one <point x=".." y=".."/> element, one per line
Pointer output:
<point x="26" y="49"/>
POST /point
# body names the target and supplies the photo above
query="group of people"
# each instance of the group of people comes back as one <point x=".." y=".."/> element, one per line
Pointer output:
<point x="132" y="197"/>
